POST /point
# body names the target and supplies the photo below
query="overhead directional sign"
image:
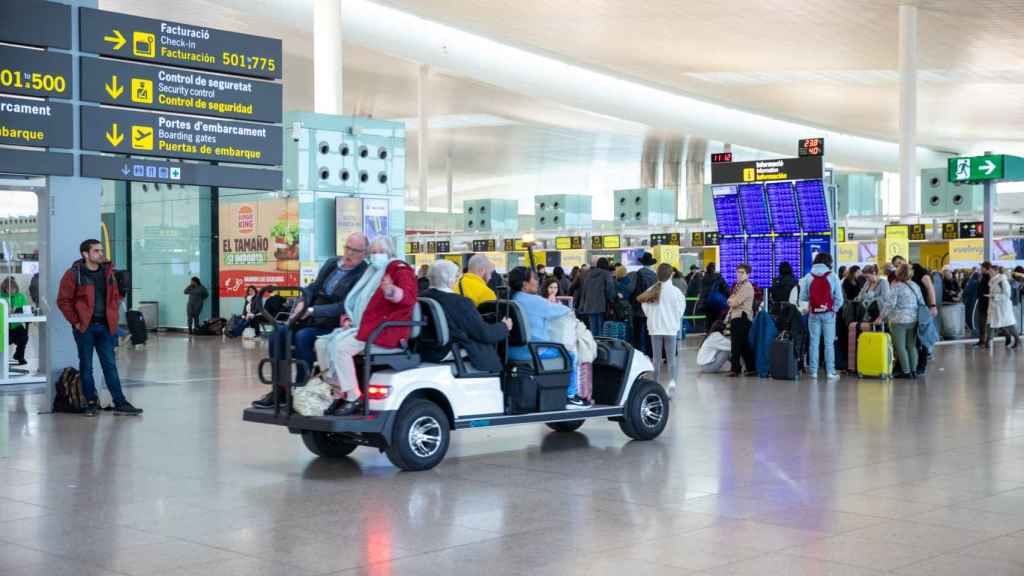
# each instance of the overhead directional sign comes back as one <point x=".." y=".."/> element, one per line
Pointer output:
<point x="164" y="42"/>
<point x="25" y="122"/>
<point x="806" y="168"/>
<point x="35" y="72"/>
<point x="175" y="136"/>
<point x="176" y="90"/>
<point x="971" y="230"/>
<point x="569" y="243"/>
<point x="950" y="231"/>
<point x="976" y="168"/>
<point x="114" y="168"/>
<point x="17" y="161"/>
<point x="35" y="23"/>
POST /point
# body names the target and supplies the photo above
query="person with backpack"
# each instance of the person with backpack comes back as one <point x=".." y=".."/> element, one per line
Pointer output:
<point x="89" y="299"/>
<point x="637" y="283"/>
<point x="821" y="292"/>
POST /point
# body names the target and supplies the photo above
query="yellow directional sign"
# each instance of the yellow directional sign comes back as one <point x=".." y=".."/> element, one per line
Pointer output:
<point x="144" y="44"/>
<point x="116" y="38"/>
<point x="142" y="137"/>
<point x="114" y="137"/>
<point x="142" y="91"/>
<point x="114" y="90"/>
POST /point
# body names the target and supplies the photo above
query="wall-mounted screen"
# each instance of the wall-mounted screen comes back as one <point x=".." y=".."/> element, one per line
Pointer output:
<point x="782" y="204"/>
<point x="755" y="209"/>
<point x="727" y="209"/>
<point x="813" y="208"/>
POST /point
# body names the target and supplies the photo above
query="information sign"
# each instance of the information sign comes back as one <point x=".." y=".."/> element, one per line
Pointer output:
<point x="489" y="245"/>
<point x="119" y="168"/>
<point x="697" y="239"/>
<point x="712" y="238"/>
<point x="164" y="42"/>
<point x="605" y="242"/>
<point x="127" y="132"/>
<point x="35" y="72"/>
<point x="25" y="122"/>
<point x="950" y="231"/>
<point x="918" y="232"/>
<point x="569" y="243"/>
<point x="413" y="248"/>
<point x="807" y="168"/>
<point x="665" y="239"/>
<point x="513" y="245"/>
<point x="972" y="230"/>
<point x="35" y="23"/>
<point x="175" y="90"/>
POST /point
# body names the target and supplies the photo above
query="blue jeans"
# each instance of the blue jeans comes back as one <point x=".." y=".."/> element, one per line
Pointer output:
<point x="594" y="322"/>
<point x="820" y="326"/>
<point x="522" y="354"/>
<point x="302" y="340"/>
<point x="97" y="337"/>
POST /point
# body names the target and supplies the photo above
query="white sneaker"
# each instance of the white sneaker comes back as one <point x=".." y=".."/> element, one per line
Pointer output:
<point x="833" y="375"/>
<point x="671" y="388"/>
<point x="813" y="374"/>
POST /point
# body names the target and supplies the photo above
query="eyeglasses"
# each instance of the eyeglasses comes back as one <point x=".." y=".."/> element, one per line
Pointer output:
<point x="354" y="250"/>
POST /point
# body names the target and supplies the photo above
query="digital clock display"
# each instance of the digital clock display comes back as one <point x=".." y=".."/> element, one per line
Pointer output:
<point x="812" y="147"/>
<point x="727" y="209"/>
<point x="720" y="157"/>
<point x="782" y="205"/>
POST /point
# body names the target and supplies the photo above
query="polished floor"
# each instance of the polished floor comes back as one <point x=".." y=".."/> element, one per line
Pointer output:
<point x="752" y="477"/>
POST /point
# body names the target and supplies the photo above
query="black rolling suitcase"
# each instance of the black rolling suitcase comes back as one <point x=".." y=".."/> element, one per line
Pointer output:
<point x="783" y="359"/>
<point x="136" y="327"/>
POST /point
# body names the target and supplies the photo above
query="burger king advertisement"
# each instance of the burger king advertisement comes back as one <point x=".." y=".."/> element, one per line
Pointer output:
<point x="259" y="245"/>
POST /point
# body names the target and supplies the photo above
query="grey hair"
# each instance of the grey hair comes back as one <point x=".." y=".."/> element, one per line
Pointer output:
<point x="384" y="243"/>
<point x="478" y="264"/>
<point x="361" y="237"/>
<point x="443" y="274"/>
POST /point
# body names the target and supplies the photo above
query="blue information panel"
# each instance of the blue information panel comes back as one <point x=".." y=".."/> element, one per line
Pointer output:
<point x="782" y="203"/>
<point x="787" y="249"/>
<point x="727" y="210"/>
<point x="759" y="256"/>
<point x="813" y="208"/>
<point x="731" y="254"/>
<point x="813" y="245"/>
<point x="755" y="209"/>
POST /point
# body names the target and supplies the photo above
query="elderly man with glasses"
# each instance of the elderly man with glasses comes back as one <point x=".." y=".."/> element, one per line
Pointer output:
<point x="320" y="310"/>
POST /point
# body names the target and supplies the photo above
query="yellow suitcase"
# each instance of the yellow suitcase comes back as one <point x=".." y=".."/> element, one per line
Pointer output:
<point x="874" y="355"/>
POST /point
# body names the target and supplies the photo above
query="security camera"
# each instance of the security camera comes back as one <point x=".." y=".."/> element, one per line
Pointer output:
<point x="296" y="131"/>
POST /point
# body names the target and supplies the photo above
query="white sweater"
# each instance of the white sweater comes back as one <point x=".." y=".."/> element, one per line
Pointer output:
<point x="665" y="317"/>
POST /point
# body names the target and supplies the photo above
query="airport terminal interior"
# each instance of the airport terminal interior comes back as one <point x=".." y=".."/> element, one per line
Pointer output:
<point x="436" y="287"/>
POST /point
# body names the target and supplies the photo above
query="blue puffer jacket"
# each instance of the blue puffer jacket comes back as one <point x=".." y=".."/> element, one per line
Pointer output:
<point x="761" y="336"/>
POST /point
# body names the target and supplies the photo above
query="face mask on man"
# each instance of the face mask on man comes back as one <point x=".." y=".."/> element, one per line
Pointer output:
<point x="378" y="260"/>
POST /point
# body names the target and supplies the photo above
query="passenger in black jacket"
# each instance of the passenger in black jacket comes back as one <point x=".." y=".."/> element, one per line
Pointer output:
<point x="465" y="325"/>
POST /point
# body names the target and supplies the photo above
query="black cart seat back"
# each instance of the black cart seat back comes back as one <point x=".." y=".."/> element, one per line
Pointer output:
<point x="435" y="333"/>
<point x="495" y="310"/>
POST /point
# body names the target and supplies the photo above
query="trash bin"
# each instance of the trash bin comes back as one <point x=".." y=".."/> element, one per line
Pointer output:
<point x="150" y="313"/>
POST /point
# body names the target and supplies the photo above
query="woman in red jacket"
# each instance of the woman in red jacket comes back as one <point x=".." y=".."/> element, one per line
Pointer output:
<point x="387" y="292"/>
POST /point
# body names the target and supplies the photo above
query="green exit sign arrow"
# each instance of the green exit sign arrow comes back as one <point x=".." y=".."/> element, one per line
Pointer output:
<point x="973" y="169"/>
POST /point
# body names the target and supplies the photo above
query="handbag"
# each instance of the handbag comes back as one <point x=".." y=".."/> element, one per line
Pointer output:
<point x="313" y="398"/>
<point x="927" y="331"/>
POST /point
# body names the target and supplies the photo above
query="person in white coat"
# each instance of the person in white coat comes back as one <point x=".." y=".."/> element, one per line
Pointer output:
<point x="664" y="305"/>
<point x="1000" y="307"/>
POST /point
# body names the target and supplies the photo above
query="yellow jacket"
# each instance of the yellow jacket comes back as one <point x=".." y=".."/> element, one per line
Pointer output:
<point x="473" y="287"/>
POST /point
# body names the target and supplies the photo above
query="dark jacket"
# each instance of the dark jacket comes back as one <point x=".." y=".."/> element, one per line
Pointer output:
<point x="328" y="308"/>
<point x="197" y="295"/>
<point x="76" y="297"/>
<point x="782" y="287"/>
<point x="468" y="329"/>
<point x="597" y="290"/>
<point x="637" y="282"/>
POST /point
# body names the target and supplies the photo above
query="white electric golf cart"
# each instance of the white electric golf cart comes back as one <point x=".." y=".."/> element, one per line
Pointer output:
<point x="411" y="407"/>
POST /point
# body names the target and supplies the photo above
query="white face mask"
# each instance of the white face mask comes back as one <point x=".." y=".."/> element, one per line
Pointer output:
<point x="378" y="260"/>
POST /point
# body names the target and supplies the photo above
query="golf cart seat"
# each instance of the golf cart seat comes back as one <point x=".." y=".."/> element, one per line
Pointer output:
<point x="540" y="358"/>
<point x="436" y="335"/>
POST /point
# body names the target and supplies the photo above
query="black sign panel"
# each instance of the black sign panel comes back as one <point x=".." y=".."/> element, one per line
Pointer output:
<point x="697" y="239"/>
<point x="950" y="231"/>
<point x="14" y="161"/>
<point x="174" y="136"/>
<point x="712" y="238"/>
<point x="35" y="72"/>
<point x="163" y="42"/>
<point x="668" y="238"/>
<point x="114" y="168"/>
<point x="175" y="90"/>
<point x="808" y="168"/>
<point x="25" y="122"/>
<point x="972" y="230"/>
<point x="917" y="232"/>
<point x="413" y="248"/>
<point x="35" y="23"/>
<point x="811" y="147"/>
<point x="485" y="245"/>
<point x="513" y="244"/>
<point x="438" y="247"/>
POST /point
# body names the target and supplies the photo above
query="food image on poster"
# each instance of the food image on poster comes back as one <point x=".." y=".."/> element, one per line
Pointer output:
<point x="259" y="245"/>
<point x="375" y="217"/>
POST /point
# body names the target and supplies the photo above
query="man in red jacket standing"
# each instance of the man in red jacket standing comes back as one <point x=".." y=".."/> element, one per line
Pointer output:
<point x="89" y="299"/>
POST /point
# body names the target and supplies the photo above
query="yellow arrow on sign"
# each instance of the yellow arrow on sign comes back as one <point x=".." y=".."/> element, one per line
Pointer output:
<point x="114" y="137"/>
<point x="117" y="39"/>
<point x="113" y="89"/>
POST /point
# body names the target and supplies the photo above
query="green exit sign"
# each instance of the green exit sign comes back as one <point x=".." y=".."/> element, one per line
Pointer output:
<point x="973" y="169"/>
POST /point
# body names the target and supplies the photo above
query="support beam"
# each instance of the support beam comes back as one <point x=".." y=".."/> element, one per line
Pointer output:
<point x="423" y="135"/>
<point x="328" y="93"/>
<point x="908" y="109"/>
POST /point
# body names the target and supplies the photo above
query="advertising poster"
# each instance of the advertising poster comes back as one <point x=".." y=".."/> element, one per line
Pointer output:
<point x="867" y="252"/>
<point x="966" y="253"/>
<point x="259" y="245"/>
<point x="375" y="217"/>
<point x="348" y="219"/>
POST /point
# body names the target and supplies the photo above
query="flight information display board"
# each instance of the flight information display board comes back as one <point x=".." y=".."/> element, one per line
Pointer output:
<point x="787" y="249"/>
<point x="782" y="205"/>
<point x="755" y="209"/>
<point x="727" y="210"/>
<point x="813" y="208"/>
<point x="759" y="256"/>
<point x="731" y="253"/>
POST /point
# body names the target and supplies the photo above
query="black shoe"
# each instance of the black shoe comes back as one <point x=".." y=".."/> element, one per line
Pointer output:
<point x="903" y="376"/>
<point x="267" y="400"/>
<point x="576" y="403"/>
<point x="91" y="409"/>
<point x="126" y="409"/>
<point x="342" y="407"/>
<point x="20" y="361"/>
<point x="750" y="373"/>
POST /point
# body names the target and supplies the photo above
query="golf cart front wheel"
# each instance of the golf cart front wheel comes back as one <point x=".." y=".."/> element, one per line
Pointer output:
<point x="647" y="411"/>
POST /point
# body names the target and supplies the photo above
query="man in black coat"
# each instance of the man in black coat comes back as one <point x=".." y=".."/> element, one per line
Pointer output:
<point x="465" y="325"/>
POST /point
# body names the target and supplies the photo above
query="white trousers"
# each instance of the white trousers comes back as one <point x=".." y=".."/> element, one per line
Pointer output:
<point x="335" y="357"/>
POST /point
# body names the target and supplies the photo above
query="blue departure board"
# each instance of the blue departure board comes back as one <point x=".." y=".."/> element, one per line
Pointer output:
<point x="759" y="256"/>
<point x="731" y="254"/>
<point x="782" y="203"/>
<point x="787" y="249"/>
<point x="755" y="209"/>
<point x="727" y="210"/>
<point x="810" y="195"/>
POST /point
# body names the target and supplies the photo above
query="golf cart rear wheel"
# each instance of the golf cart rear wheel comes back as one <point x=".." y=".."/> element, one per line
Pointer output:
<point x="646" y="411"/>
<point x="420" y="437"/>
<point x="567" y="426"/>
<point x="327" y="445"/>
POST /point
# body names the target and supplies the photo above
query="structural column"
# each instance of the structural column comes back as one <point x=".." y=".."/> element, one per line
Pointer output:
<point x="328" y="58"/>
<point x="423" y="134"/>
<point x="908" y="108"/>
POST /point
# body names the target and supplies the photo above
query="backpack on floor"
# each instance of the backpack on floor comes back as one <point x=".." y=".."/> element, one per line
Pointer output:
<point x="68" y="396"/>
